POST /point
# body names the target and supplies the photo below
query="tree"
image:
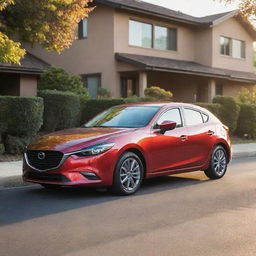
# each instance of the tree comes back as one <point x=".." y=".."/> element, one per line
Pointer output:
<point x="247" y="9"/>
<point x="50" y="23"/>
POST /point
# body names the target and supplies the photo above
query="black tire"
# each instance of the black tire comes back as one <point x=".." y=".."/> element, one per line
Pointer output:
<point x="218" y="164"/>
<point x="51" y="186"/>
<point x="134" y="174"/>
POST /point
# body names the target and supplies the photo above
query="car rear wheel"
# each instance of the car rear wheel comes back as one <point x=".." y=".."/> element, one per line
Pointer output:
<point x="128" y="174"/>
<point x="218" y="164"/>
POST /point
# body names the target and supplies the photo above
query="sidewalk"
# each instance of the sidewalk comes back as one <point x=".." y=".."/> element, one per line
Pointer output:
<point x="10" y="172"/>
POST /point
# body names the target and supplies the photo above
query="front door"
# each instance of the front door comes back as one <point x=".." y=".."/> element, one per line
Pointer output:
<point x="168" y="151"/>
<point x="128" y="87"/>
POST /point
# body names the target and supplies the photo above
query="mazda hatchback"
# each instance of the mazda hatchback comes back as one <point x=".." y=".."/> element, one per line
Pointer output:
<point x="126" y="144"/>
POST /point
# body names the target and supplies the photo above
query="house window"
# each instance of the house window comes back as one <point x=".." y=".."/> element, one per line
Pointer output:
<point x="219" y="89"/>
<point x="92" y="83"/>
<point x="140" y="34"/>
<point x="165" y="38"/>
<point x="225" y="46"/>
<point x="83" y="29"/>
<point x="152" y="36"/>
<point x="238" y="49"/>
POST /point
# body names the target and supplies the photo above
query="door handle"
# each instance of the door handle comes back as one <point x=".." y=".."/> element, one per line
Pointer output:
<point x="210" y="133"/>
<point x="183" y="137"/>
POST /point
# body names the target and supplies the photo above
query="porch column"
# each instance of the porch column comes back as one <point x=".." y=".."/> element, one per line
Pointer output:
<point x="143" y="81"/>
<point x="211" y="90"/>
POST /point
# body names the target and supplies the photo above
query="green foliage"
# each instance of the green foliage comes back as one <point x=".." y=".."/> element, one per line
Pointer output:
<point x="22" y="116"/>
<point x="158" y="93"/>
<point x="16" y="145"/>
<point x="56" y="78"/>
<point x="213" y="108"/>
<point x="246" y="96"/>
<point x="103" y="93"/>
<point x="246" y="125"/>
<point x="50" y="23"/>
<point x="61" y="110"/>
<point x="229" y="111"/>
<point x="2" y="148"/>
<point x="136" y="99"/>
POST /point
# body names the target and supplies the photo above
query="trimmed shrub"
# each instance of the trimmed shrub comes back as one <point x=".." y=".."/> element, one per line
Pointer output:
<point x="90" y="108"/>
<point x="246" y="124"/>
<point x="229" y="111"/>
<point x="158" y="93"/>
<point x="21" y="116"/>
<point x="56" y="78"/>
<point x="2" y="149"/>
<point x="16" y="145"/>
<point x="213" y="108"/>
<point x="136" y="99"/>
<point x="103" y="93"/>
<point x="61" y="110"/>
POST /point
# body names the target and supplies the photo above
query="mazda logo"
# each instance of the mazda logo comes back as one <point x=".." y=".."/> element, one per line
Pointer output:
<point x="41" y="156"/>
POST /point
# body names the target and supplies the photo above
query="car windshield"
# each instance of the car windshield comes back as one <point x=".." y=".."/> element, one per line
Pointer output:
<point x="124" y="117"/>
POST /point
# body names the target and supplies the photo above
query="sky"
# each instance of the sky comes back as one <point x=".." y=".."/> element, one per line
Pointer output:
<point x="198" y="8"/>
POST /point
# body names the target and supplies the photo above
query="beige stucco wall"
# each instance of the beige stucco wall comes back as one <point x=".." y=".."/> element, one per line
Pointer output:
<point x="92" y="55"/>
<point x="186" y="37"/>
<point x="28" y="85"/>
<point x="233" y="29"/>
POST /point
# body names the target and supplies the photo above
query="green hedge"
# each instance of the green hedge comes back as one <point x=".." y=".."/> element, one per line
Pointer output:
<point x="61" y="110"/>
<point x="246" y="124"/>
<point x="213" y="108"/>
<point x="90" y="108"/>
<point x="229" y="111"/>
<point x="21" y="116"/>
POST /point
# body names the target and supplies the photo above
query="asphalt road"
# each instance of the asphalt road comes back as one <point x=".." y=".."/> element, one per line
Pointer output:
<point x="176" y="215"/>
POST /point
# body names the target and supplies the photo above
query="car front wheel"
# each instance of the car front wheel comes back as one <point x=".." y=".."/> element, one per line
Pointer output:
<point x="128" y="174"/>
<point x="218" y="164"/>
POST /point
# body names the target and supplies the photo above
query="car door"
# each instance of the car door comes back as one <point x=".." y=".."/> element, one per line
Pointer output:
<point x="200" y="136"/>
<point x="168" y="151"/>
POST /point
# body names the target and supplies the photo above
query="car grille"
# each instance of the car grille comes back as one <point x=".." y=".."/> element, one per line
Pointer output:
<point x="46" y="177"/>
<point x="51" y="159"/>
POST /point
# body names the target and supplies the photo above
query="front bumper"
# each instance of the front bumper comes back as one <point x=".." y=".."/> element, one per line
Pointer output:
<point x="75" y="171"/>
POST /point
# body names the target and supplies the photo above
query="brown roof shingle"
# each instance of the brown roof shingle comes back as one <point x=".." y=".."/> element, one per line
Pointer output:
<point x="184" y="67"/>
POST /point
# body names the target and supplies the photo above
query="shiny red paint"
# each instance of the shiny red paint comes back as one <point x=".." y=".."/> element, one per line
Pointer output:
<point x="183" y="149"/>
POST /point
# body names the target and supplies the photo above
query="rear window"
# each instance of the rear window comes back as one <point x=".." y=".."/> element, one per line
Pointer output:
<point x="193" y="117"/>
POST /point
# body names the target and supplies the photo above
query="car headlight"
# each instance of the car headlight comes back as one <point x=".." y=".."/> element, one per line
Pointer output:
<point x="94" y="150"/>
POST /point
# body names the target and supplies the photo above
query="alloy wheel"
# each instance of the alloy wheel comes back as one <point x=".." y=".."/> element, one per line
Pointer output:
<point x="219" y="162"/>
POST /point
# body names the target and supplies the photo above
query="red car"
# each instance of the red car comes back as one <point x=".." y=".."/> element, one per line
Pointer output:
<point x="126" y="144"/>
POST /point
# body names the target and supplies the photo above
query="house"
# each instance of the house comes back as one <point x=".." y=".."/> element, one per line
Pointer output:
<point x="126" y="46"/>
<point x="21" y="80"/>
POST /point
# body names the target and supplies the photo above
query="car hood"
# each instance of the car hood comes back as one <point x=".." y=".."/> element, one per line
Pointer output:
<point x="75" y="139"/>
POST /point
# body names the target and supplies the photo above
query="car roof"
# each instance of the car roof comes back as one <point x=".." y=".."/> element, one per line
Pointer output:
<point x="161" y="104"/>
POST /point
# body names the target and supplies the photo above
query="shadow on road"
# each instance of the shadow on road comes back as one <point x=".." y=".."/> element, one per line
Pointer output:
<point x="26" y="203"/>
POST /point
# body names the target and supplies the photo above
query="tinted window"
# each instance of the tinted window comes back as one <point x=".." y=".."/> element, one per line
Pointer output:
<point x="171" y="115"/>
<point x="225" y="45"/>
<point x="124" y="117"/>
<point x="83" y="29"/>
<point x="205" y="118"/>
<point x="193" y="117"/>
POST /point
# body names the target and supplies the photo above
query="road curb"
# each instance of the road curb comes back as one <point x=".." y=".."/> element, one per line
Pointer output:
<point x="17" y="181"/>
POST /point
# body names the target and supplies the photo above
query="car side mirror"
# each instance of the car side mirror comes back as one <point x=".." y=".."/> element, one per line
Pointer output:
<point x="167" y="126"/>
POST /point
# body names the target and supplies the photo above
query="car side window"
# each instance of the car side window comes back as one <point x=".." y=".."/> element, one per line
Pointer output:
<point x="205" y="117"/>
<point x="170" y="115"/>
<point x="193" y="117"/>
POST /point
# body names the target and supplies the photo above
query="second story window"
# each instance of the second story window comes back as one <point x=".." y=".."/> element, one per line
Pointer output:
<point x="232" y="47"/>
<point x="165" y="38"/>
<point x="152" y="36"/>
<point x="140" y="34"/>
<point x="225" y="46"/>
<point x="83" y="29"/>
<point x="238" y="49"/>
